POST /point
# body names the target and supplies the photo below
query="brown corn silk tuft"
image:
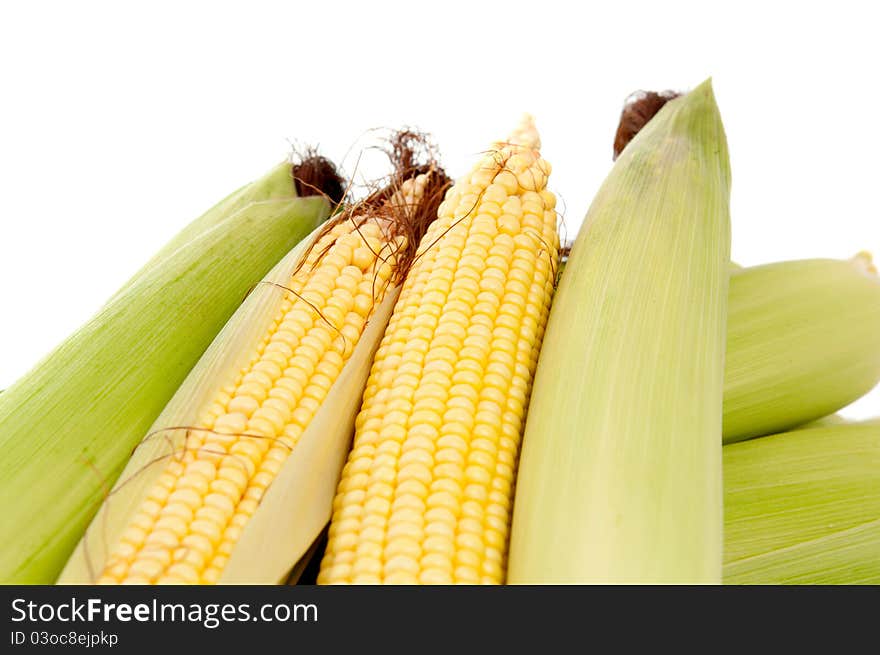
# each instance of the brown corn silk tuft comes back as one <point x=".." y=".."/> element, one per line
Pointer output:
<point x="395" y="205"/>
<point x="315" y="175"/>
<point x="638" y="109"/>
<point x="189" y="521"/>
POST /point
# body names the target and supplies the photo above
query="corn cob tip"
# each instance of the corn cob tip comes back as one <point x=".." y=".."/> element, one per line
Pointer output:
<point x="865" y="262"/>
<point x="525" y="134"/>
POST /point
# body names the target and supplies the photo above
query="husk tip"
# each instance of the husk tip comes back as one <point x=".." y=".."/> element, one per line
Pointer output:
<point x="700" y="100"/>
<point x="706" y="89"/>
<point x="865" y="262"/>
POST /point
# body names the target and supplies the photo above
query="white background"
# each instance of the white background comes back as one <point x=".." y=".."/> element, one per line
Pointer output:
<point x="119" y="124"/>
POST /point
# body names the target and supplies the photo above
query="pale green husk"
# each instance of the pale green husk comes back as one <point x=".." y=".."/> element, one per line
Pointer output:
<point x="803" y="507"/>
<point x="299" y="501"/>
<point x="833" y="419"/>
<point x="803" y="341"/>
<point x="69" y="426"/>
<point x="620" y="474"/>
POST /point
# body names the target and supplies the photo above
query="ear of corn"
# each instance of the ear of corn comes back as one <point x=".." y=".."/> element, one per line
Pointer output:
<point x="425" y="496"/>
<point x="803" y="507"/>
<point x="68" y="426"/>
<point x="620" y="475"/>
<point x="803" y="341"/>
<point x="235" y="480"/>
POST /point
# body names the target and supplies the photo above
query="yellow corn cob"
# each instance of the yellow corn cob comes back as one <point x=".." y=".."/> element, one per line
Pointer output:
<point x="189" y="522"/>
<point x="193" y="517"/>
<point x="426" y="493"/>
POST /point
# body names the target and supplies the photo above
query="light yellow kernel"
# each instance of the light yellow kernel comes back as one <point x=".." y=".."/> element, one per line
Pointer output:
<point x="400" y="577"/>
<point x="172" y="524"/>
<point x="146" y="568"/>
<point x="438" y="548"/>
<point x="363" y="257"/>
<point x="268" y="419"/>
<point x="435" y="576"/>
<point x="378" y="506"/>
<point x="268" y="368"/>
<point x="208" y="529"/>
<point x="187" y="495"/>
<point x="440" y="515"/>
<point x="136" y="579"/>
<point x="442" y="530"/>
<point x="249" y="450"/>
<point x="210" y="576"/>
<point x="211" y="514"/>
<point x="366" y="566"/>
<point x="465" y="557"/>
<point x="403" y="547"/>
<point x="269" y="467"/>
<point x="246" y="508"/>
<point x="294" y="381"/>
<point x="232" y="423"/>
<point x="183" y="572"/>
<point x="161" y="538"/>
<point x="262" y="479"/>
<point x="222" y="502"/>
<point x="194" y="542"/>
<point x="256" y="378"/>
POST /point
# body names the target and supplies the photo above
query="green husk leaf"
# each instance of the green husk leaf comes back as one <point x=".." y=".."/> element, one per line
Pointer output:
<point x="824" y="422"/>
<point x="620" y="474"/>
<point x="803" y="507"/>
<point x="803" y="341"/>
<point x="68" y="426"/>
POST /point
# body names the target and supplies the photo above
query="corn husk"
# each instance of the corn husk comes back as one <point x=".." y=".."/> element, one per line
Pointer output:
<point x="803" y="507"/>
<point x="803" y="341"/>
<point x="824" y="422"/>
<point x="620" y="473"/>
<point x="68" y="426"/>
